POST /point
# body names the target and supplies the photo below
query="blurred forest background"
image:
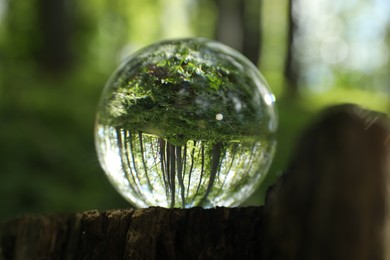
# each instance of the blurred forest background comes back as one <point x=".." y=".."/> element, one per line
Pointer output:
<point x="56" y="55"/>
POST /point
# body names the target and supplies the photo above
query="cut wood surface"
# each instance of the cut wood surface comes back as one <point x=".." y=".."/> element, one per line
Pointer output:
<point x="331" y="203"/>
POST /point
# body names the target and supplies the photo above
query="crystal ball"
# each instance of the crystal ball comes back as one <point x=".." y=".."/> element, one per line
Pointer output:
<point x="185" y="123"/>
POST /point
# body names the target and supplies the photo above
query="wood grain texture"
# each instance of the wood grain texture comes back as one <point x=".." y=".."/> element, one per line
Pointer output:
<point x="153" y="233"/>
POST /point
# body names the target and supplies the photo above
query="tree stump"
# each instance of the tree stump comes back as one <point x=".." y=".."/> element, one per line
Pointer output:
<point x="332" y="203"/>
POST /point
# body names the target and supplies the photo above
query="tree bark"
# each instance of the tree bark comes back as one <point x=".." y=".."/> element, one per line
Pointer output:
<point x="153" y="233"/>
<point x="332" y="203"/>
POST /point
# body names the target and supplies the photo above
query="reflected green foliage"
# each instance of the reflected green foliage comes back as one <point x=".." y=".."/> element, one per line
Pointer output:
<point x="176" y="89"/>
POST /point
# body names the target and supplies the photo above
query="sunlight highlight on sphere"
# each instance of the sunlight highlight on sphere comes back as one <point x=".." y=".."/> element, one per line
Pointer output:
<point x="219" y="117"/>
<point x="186" y="123"/>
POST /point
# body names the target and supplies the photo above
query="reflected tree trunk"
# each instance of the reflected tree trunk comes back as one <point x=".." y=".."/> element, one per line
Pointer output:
<point x="193" y="173"/>
<point x="215" y="165"/>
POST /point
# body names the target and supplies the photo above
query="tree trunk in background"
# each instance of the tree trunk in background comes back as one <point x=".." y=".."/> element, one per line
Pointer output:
<point x="251" y="36"/>
<point x="332" y="203"/>
<point x="291" y="69"/>
<point x="56" y="27"/>
<point x="239" y="26"/>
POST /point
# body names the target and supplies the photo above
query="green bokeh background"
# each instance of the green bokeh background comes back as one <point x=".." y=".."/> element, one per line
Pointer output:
<point x="55" y="57"/>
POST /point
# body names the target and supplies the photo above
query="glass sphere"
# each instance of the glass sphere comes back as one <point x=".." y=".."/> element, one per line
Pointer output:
<point x="186" y="123"/>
